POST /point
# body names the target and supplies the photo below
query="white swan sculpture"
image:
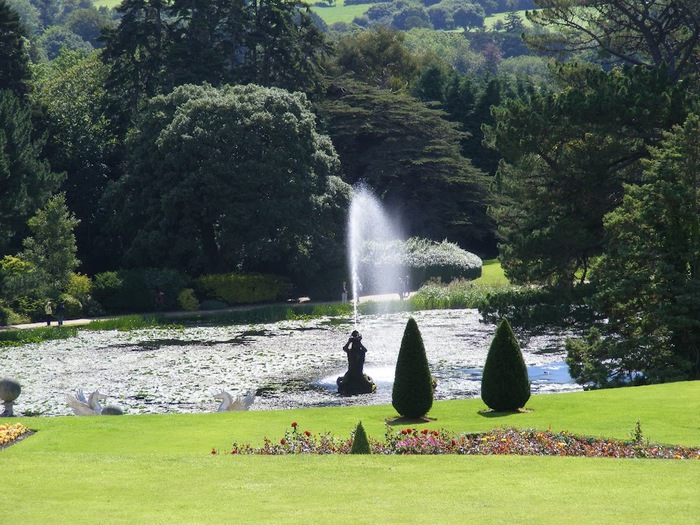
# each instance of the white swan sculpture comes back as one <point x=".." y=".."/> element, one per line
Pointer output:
<point x="85" y="407"/>
<point x="228" y="403"/>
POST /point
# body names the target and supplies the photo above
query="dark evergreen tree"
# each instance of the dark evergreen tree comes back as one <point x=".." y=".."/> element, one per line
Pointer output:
<point x="409" y="154"/>
<point x="648" y="281"/>
<point x="412" y="394"/>
<point x="505" y="384"/>
<point x="360" y="443"/>
<point x="26" y="180"/>
<point x="14" y="60"/>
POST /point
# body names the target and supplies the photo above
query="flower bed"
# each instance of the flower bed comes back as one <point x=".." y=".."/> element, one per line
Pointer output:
<point x="9" y="434"/>
<point x="499" y="441"/>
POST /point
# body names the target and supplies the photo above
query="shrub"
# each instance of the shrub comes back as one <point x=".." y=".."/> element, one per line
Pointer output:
<point x="73" y="307"/>
<point x="79" y="286"/>
<point x="412" y="394"/>
<point x="421" y="259"/>
<point x="135" y="290"/>
<point x="236" y="288"/>
<point x="360" y="443"/>
<point x="187" y="300"/>
<point x="505" y="385"/>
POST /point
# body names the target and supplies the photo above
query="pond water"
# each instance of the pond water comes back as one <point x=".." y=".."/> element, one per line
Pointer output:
<point x="290" y="363"/>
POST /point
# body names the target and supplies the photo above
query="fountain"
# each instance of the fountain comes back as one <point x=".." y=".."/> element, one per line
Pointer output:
<point x="368" y="223"/>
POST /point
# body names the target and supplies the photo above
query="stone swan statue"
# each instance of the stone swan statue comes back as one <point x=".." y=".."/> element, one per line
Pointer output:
<point x="228" y="403"/>
<point x="86" y="407"/>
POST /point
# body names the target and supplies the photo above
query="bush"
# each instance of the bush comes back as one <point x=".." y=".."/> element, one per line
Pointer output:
<point x="79" y="286"/>
<point x="236" y="288"/>
<point x="421" y="259"/>
<point x="412" y="394"/>
<point x="9" y="317"/>
<point x="505" y="385"/>
<point x="541" y="307"/>
<point x="187" y="300"/>
<point x="135" y="290"/>
<point x="73" y="307"/>
<point x="360" y="443"/>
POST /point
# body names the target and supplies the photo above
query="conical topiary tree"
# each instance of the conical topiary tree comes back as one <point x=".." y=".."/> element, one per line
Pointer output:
<point x="360" y="443"/>
<point x="412" y="395"/>
<point x="505" y="384"/>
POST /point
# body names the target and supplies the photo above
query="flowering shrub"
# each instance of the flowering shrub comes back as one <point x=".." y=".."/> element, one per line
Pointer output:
<point x="499" y="441"/>
<point x="9" y="433"/>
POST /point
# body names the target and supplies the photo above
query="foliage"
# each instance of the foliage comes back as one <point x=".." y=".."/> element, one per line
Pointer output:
<point x="51" y="248"/>
<point x="648" y="282"/>
<point x="536" y="308"/>
<point x="496" y="442"/>
<point x="412" y="392"/>
<point x="15" y="73"/>
<point x="457" y="294"/>
<point x="653" y="33"/>
<point x="36" y="335"/>
<point x="161" y="45"/>
<point x="187" y="300"/>
<point x="79" y="286"/>
<point x="504" y="383"/>
<point x="360" y="443"/>
<point x="456" y="14"/>
<point x="409" y="154"/>
<point x="81" y="143"/>
<point x="263" y="195"/>
<point x="556" y="187"/>
<point x="26" y="180"/>
<point x="236" y="288"/>
<point x="378" y="57"/>
<point x="135" y="290"/>
<point x="57" y="38"/>
<point x="421" y="258"/>
<point x="125" y="323"/>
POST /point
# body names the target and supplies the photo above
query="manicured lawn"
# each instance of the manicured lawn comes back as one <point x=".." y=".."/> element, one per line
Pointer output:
<point x="159" y="469"/>
<point x="340" y="12"/>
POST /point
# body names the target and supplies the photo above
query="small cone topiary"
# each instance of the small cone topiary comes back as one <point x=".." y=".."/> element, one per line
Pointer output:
<point x="360" y="443"/>
<point x="505" y="385"/>
<point x="412" y="395"/>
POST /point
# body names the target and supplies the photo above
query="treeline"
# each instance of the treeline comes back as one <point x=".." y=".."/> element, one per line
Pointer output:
<point x="217" y="137"/>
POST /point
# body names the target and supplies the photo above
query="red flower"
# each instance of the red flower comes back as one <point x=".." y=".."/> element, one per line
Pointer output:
<point x="307" y="433"/>
<point x="404" y="432"/>
<point x="283" y="441"/>
<point x="424" y="431"/>
<point x="213" y="451"/>
<point x="294" y="424"/>
<point x="409" y="430"/>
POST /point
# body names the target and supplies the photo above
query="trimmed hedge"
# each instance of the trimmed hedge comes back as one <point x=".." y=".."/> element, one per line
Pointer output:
<point x="412" y="394"/>
<point x="360" y="442"/>
<point x="421" y="259"/>
<point x="505" y="385"/>
<point x="236" y="288"/>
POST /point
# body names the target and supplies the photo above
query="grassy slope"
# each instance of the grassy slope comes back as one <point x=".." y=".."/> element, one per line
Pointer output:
<point x="158" y="468"/>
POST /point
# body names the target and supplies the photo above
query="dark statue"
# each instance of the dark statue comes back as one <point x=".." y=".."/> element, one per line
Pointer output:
<point x="355" y="381"/>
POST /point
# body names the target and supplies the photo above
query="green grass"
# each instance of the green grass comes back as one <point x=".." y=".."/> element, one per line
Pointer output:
<point x="492" y="275"/>
<point x="340" y="12"/>
<point x="158" y="469"/>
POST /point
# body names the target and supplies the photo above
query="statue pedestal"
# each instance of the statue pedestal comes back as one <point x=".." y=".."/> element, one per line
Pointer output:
<point x="8" y="409"/>
<point x="352" y="384"/>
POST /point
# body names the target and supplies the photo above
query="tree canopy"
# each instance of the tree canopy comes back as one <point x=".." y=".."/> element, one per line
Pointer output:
<point x="230" y="178"/>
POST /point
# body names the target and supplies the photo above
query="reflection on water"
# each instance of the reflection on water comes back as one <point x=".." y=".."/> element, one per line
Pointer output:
<point x="291" y="363"/>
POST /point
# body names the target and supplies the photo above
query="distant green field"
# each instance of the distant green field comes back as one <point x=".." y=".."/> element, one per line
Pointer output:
<point x="339" y="12"/>
<point x="106" y="3"/>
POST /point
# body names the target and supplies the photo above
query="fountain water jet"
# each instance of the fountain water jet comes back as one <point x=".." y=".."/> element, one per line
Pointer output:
<point x="368" y="222"/>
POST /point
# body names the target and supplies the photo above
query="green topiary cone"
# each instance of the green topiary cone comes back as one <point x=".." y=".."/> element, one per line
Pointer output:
<point x="360" y="444"/>
<point x="505" y="385"/>
<point x="412" y="395"/>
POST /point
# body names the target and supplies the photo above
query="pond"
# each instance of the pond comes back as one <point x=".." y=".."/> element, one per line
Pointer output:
<point x="290" y="364"/>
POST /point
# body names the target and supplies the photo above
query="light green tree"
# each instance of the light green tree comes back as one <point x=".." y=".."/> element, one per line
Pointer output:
<point x="51" y="248"/>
